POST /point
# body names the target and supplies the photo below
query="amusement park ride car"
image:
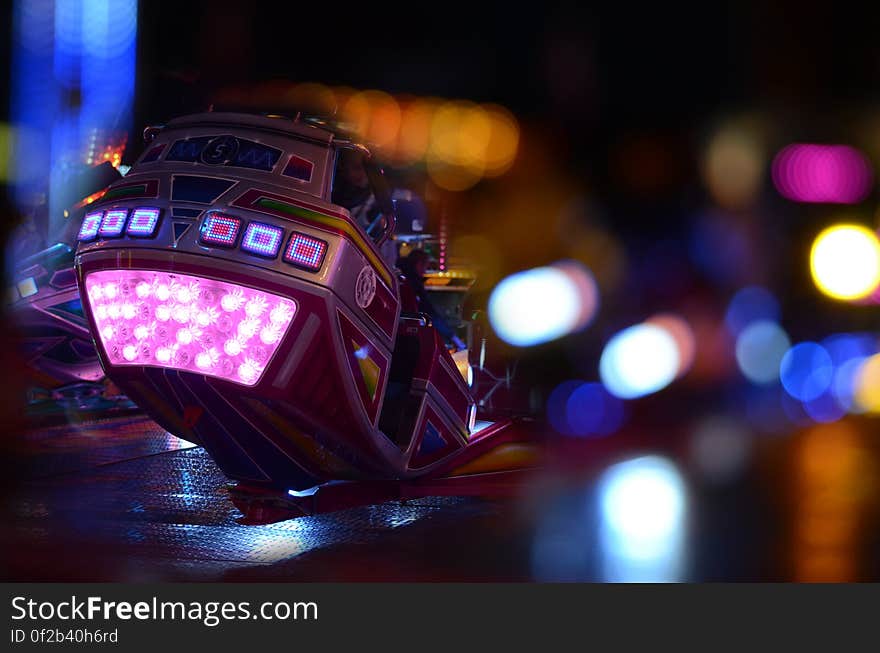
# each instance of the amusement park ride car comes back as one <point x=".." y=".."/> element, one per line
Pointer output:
<point x="244" y="311"/>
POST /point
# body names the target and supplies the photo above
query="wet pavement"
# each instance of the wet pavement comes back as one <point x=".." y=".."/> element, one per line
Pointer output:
<point x="121" y="499"/>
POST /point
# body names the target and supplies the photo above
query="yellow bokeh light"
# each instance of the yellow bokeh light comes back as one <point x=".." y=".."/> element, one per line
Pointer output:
<point x="733" y="165"/>
<point x="453" y="177"/>
<point x="312" y="98"/>
<point x="503" y="140"/>
<point x="375" y="116"/>
<point x="460" y="133"/>
<point x="415" y="130"/>
<point x="845" y="261"/>
<point x="867" y="386"/>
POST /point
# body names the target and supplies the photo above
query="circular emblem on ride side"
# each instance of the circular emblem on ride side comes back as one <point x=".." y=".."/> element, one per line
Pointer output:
<point x="220" y="150"/>
<point x="365" y="287"/>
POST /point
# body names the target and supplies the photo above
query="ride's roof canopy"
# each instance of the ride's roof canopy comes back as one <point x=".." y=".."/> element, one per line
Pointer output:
<point x="300" y="127"/>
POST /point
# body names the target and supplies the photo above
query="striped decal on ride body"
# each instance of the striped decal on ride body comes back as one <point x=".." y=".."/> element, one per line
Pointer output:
<point x="135" y="189"/>
<point x="288" y="207"/>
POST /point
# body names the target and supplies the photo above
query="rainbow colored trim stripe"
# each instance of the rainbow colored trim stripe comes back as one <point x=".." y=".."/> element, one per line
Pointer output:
<point x="275" y="205"/>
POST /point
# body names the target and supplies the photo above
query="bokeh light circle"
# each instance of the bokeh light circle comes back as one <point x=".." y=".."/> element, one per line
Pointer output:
<point x="806" y="371"/>
<point x="638" y="361"/>
<point x="748" y="305"/>
<point x="543" y="304"/>
<point x="845" y="261"/>
<point x="867" y="385"/>
<point x="808" y="172"/>
<point x="642" y="503"/>
<point x="760" y="349"/>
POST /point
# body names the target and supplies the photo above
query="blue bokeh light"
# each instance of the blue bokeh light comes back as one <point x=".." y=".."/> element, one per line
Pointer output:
<point x="85" y="49"/>
<point x="806" y="371"/>
<point x="843" y="347"/>
<point x="578" y="408"/>
<point x="824" y="408"/>
<point x="843" y="387"/>
<point x="760" y="348"/>
<point x="749" y="305"/>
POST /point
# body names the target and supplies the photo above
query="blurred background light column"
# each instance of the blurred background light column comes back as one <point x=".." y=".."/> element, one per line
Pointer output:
<point x="73" y="81"/>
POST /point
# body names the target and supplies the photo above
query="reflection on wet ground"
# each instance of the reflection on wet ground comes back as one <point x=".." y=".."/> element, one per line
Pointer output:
<point x="121" y="499"/>
<point x="124" y="500"/>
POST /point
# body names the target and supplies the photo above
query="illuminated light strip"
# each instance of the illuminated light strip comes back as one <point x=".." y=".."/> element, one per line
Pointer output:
<point x="94" y="197"/>
<point x="337" y="224"/>
<point x="126" y="191"/>
<point x="149" y="188"/>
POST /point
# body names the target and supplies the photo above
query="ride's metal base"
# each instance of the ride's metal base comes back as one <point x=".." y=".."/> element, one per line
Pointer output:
<point x="260" y="506"/>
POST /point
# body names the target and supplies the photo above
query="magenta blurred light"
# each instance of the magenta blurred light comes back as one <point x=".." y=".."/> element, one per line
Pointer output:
<point x="830" y="174"/>
<point x="143" y="222"/>
<point x="262" y="239"/>
<point x="219" y="229"/>
<point x="187" y="323"/>
<point x="305" y="251"/>
<point x="113" y="223"/>
<point x="90" y="225"/>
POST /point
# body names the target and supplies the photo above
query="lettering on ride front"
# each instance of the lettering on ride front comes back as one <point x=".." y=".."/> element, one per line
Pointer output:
<point x="225" y="150"/>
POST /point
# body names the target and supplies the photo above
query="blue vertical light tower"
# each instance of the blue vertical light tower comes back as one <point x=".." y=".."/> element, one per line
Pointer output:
<point x="73" y="83"/>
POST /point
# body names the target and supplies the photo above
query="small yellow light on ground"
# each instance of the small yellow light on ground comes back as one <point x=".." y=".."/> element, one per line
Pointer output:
<point x="845" y="261"/>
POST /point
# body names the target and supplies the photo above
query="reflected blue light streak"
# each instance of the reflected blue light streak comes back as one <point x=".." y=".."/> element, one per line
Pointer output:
<point x="642" y="516"/>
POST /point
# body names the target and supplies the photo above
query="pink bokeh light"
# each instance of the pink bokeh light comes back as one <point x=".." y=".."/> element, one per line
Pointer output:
<point x="830" y="174"/>
<point x="188" y="323"/>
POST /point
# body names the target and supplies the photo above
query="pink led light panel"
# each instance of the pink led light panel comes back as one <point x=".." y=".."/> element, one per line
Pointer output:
<point x="305" y="251"/>
<point x="832" y="174"/>
<point x="220" y="229"/>
<point x="262" y="239"/>
<point x="90" y="225"/>
<point x="113" y="223"/>
<point x="143" y="222"/>
<point x="187" y="323"/>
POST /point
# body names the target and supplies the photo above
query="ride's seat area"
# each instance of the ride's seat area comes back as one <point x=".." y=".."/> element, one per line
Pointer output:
<point x="409" y="301"/>
<point x="397" y="418"/>
<point x="425" y="391"/>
